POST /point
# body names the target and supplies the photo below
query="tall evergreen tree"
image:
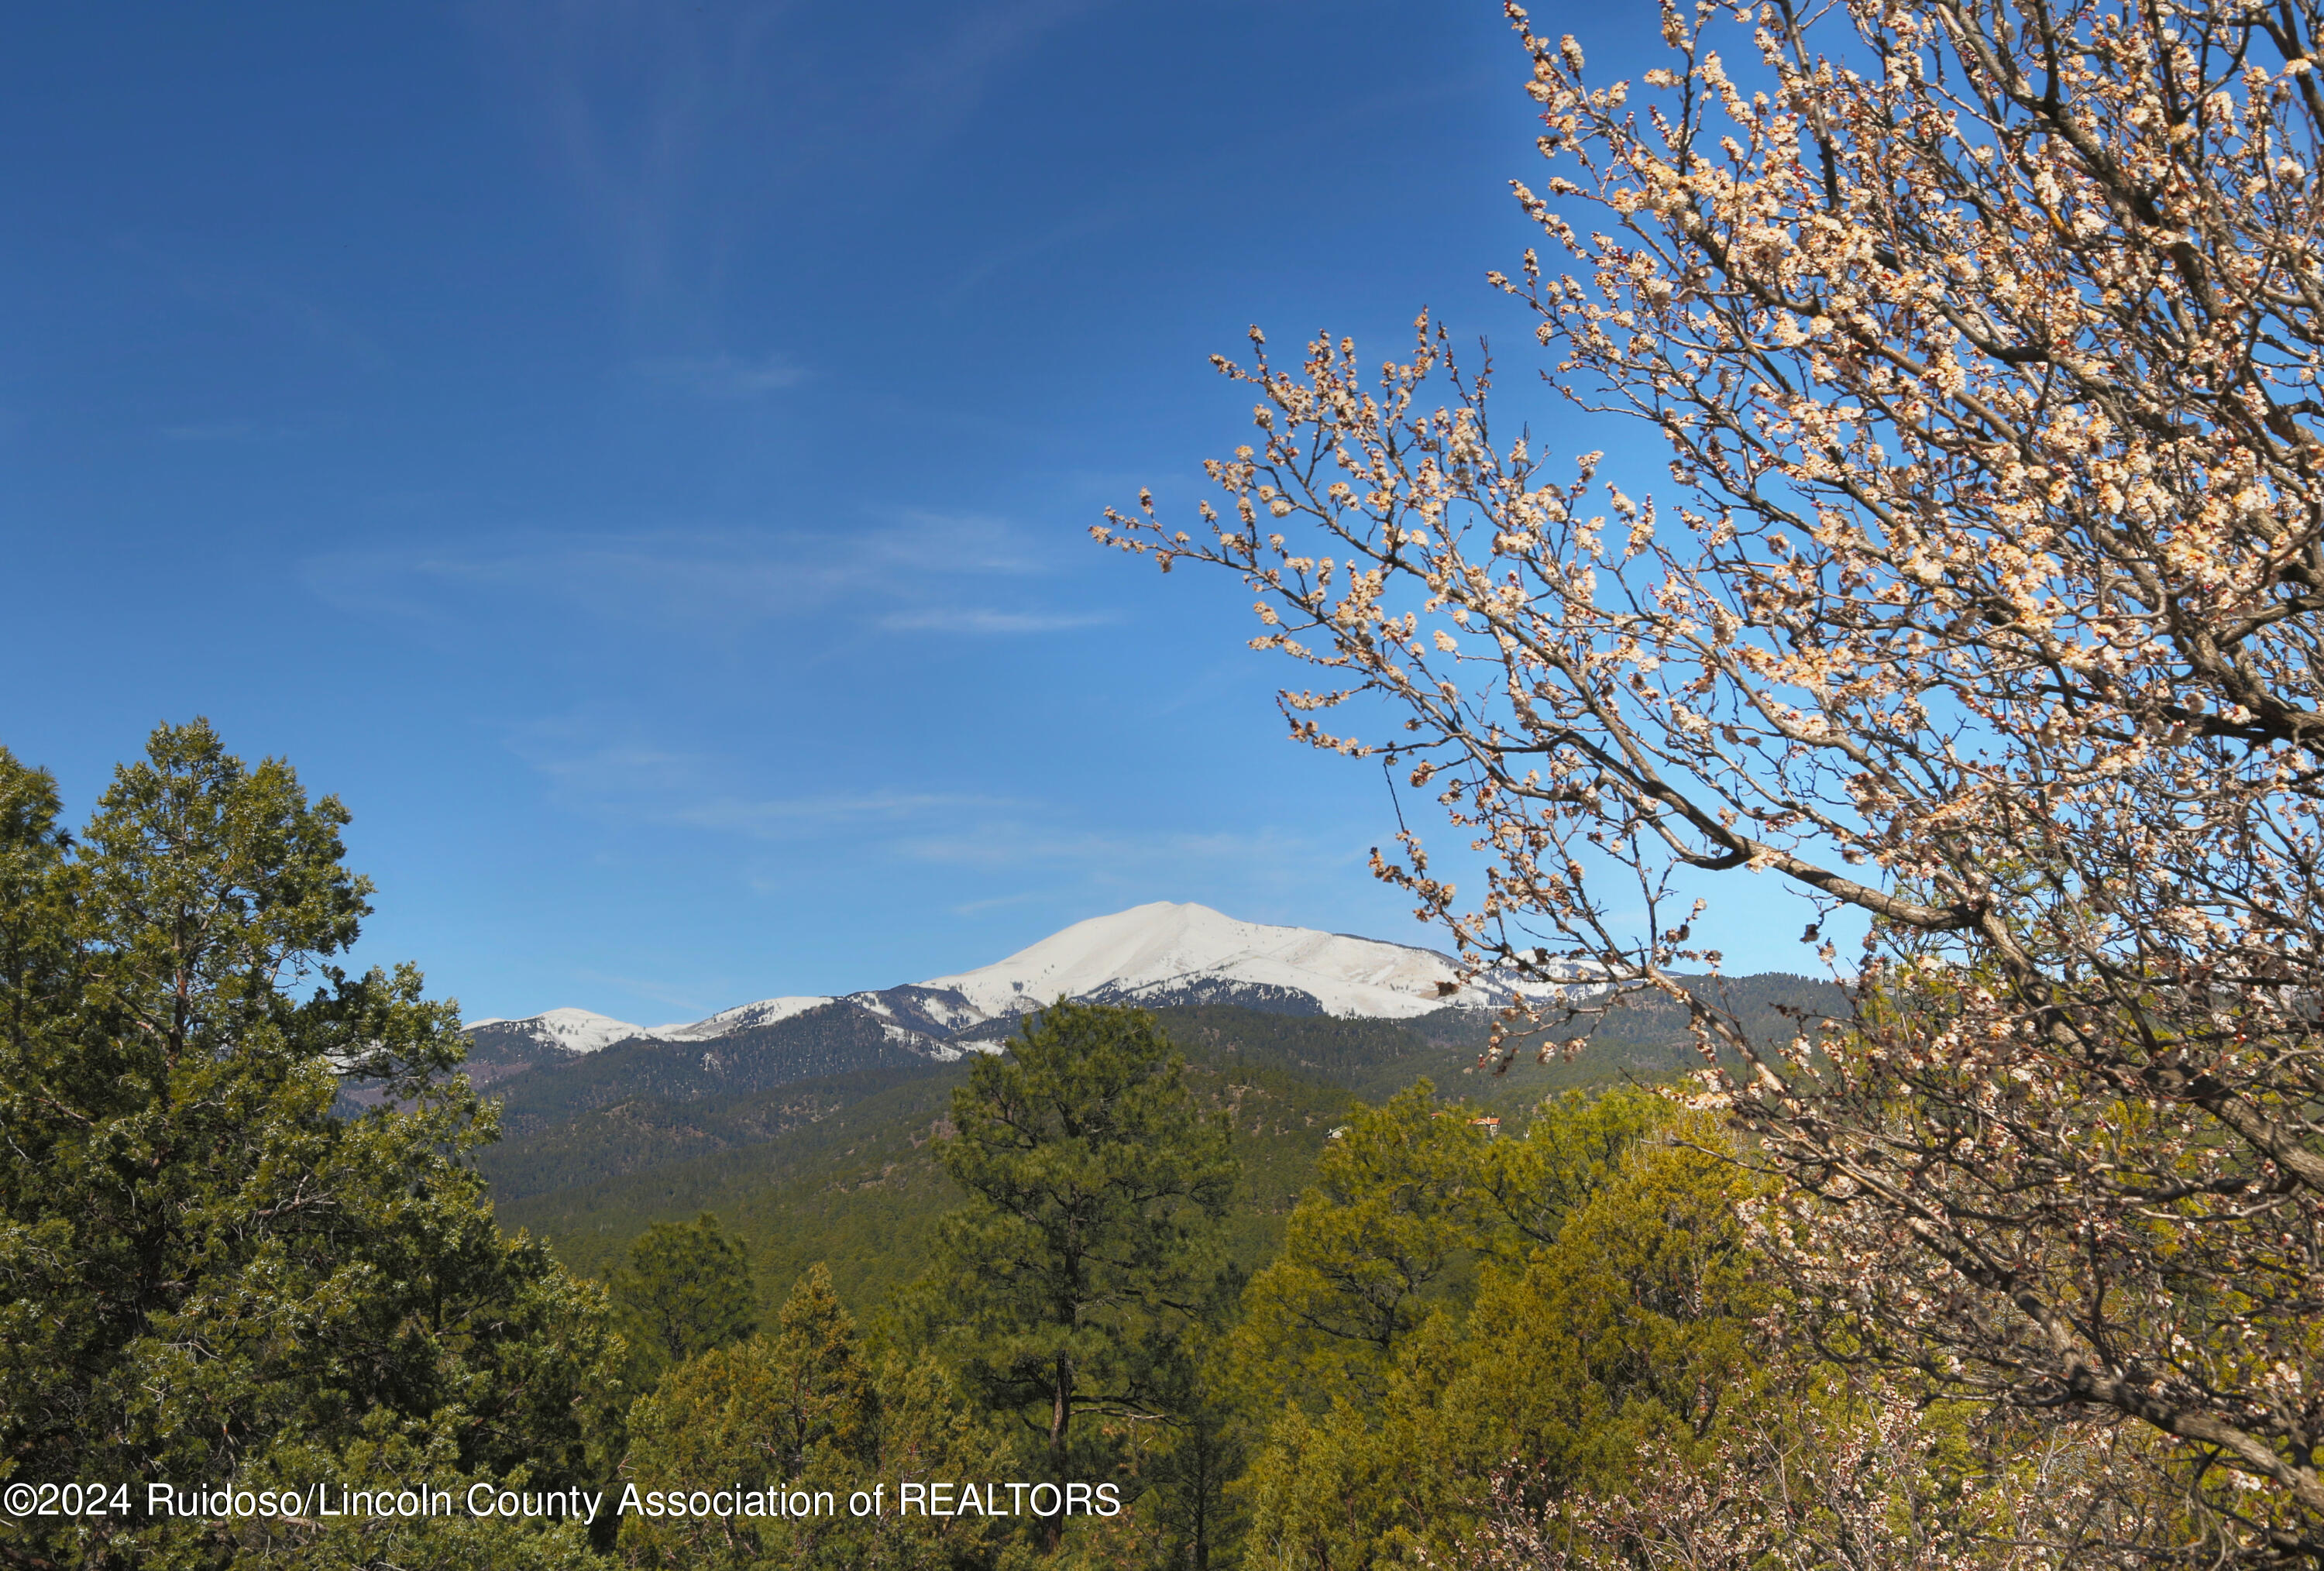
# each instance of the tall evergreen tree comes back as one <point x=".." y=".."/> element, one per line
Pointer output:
<point x="205" y="1276"/>
<point x="1401" y="1191"/>
<point x="686" y="1289"/>
<point x="1072" y="1275"/>
<point x="825" y="1387"/>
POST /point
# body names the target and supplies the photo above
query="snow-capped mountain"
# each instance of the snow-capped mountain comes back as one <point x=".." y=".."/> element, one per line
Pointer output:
<point x="571" y="1030"/>
<point x="1158" y="954"/>
<point x="742" y="1017"/>
<point x="1162" y="952"/>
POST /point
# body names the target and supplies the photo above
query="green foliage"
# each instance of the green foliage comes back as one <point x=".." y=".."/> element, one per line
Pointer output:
<point x="825" y="1043"/>
<point x="205" y="1276"/>
<point x="640" y="1134"/>
<point x="1407" y="1198"/>
<point x="841" y="1168"/>
<point x="826" y="1390"/>
<point x="686" y="1289"/>
<point x="1077" y="1275"/>
<point x="1572" y="1147"/>
<point x="1634" y="1327"/>
<point x="1397" y="1200"/>
<point x="851" y="1176"/>
<point x="857" y="1185"/>
<point x="1641" y="1037"/>
<point x="1651" y="1286"/>
<point x="1181" y="1471"/>
<point x="1359" y="1054"/>
<point x="806" y="1409"/>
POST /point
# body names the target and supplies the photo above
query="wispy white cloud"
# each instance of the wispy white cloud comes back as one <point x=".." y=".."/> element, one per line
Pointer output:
<point x="944" y="77"/>
<point x="1024" y="249"/>
<point x="633" y="103"/>
<point x="917" y="538"/>
<point x="1018" y="842"/>
<point x="604" y="764"/>
<point x="973" y="850"/>
<point x="903" y="574"/>
<point x="1000" y="902"/>
<point x="667" y="580"/>
<point x="610" y="770"/>
<point x="1025" y="858"/>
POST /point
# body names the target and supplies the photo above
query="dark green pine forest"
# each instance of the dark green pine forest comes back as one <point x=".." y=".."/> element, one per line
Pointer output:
<point x="1260" y="1288"/>
<point x="845" y="1169"/>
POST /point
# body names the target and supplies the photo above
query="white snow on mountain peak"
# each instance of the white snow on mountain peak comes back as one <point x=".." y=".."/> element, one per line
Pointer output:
<point x="742" y="1017"/>
<point x="1150" y="948"/>
<point x="576" y="1030"/>
<point x="1153" y="952"/>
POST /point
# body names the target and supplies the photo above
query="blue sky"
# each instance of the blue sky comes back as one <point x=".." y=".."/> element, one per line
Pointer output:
<point x="640" y="457"/>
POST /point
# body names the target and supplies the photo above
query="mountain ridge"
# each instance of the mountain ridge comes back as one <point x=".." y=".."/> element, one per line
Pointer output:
<point x="1157" y="954"/>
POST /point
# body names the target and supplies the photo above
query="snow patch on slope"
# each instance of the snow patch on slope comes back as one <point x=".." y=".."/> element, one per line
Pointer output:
<point x="935" y="1011"/>
<point x="910" y="1041"/>
<point x="575" y="1031"/>
<point x="742" y="1017"/>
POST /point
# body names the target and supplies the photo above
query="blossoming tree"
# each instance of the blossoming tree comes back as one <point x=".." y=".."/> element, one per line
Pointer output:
<point x="1988" y="602"/>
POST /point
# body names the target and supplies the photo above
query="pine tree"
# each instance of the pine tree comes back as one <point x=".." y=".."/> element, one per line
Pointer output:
<point x="825" y="1387"/>
<point x="207" y="1277"/>
<point x="1073" y="1276"/>
<point x="686" y="1289"/>
<point x="1401" y="1195"/>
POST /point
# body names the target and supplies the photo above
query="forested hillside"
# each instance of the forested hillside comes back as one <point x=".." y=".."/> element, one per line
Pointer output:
<point x="838" y="1168"/>
<point x="639" y="1132"/>
<point x="852" y="1180"/>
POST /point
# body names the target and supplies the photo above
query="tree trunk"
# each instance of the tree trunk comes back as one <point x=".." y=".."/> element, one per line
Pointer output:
<point x="1061" y="1417"/>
